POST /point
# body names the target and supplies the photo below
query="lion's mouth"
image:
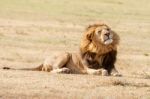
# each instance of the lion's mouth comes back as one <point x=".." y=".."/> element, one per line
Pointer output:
<point x="108" y="41"/>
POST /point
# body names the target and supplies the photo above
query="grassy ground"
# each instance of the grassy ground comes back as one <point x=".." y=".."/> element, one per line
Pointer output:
<point x="31" y="29"/>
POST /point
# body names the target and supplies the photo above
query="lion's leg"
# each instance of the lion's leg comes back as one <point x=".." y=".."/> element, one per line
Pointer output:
<point x="61" y="70"/>
<point x="59" y="63"/>
<point x="47" y="68"/>
<point x="114" y="72"/>
<point x="61" y="60"/>
<point x="102" y="72"/>
<point x="56" y="62"/>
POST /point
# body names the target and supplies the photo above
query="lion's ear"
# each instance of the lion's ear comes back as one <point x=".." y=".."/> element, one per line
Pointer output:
<point x="89" y="36"/>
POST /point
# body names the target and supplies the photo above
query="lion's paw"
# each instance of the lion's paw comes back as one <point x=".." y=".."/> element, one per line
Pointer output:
<point x="104" y="72"/>
<point x="65" y="70"/>
<point x="101" y="72"/>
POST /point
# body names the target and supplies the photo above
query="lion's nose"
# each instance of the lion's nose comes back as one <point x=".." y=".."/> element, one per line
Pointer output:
<point x="107" y="34"/>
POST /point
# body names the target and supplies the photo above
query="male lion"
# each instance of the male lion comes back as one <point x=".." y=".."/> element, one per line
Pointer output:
<point x="97" y="55"/>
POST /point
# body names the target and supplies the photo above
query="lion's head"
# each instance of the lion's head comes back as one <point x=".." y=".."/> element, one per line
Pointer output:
<point x="99" y="38"/>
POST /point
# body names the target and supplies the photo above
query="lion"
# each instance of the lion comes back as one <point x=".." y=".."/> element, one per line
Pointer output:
<point x="96" y="55"/>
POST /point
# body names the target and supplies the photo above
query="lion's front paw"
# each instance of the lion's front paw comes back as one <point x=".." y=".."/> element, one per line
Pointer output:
<point x="114" y="72"/>
<point x="65" y="70"/>
<point x="104" y="72"/>
<point x="101" y="72"/>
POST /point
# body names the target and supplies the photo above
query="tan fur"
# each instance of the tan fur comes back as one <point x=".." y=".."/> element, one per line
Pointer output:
<point x="73" y="62"/>
<point x="94" y="46"/>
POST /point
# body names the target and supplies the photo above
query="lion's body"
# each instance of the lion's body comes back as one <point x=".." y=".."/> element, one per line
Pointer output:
<point x="97" y="54"/>
<point x="72" y="61"/>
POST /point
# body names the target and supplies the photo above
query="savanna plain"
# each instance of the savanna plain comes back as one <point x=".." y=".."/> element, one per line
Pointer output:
<point x="32" y="29"/>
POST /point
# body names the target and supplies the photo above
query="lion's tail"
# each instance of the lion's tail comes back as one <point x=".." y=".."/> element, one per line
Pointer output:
<point x="39" y="68"/>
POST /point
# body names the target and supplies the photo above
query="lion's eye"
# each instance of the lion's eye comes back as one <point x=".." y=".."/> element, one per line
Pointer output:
<point x="108" y="29"/>
<point x="99" y="32"/>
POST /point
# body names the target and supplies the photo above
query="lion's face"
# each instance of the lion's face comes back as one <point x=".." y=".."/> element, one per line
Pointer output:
<point x="99" y="38"/>
<point x="104" y="35"/>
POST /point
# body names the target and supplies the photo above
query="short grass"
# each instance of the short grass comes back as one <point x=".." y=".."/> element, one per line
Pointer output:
<point x="32" y="29"/>
<point x="75" y="10"/>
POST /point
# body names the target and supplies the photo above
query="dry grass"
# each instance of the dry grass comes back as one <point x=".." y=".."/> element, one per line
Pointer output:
<point x="32" y="29"/>
<point x="124" y="83"/>
<point x="44" y="85"/>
